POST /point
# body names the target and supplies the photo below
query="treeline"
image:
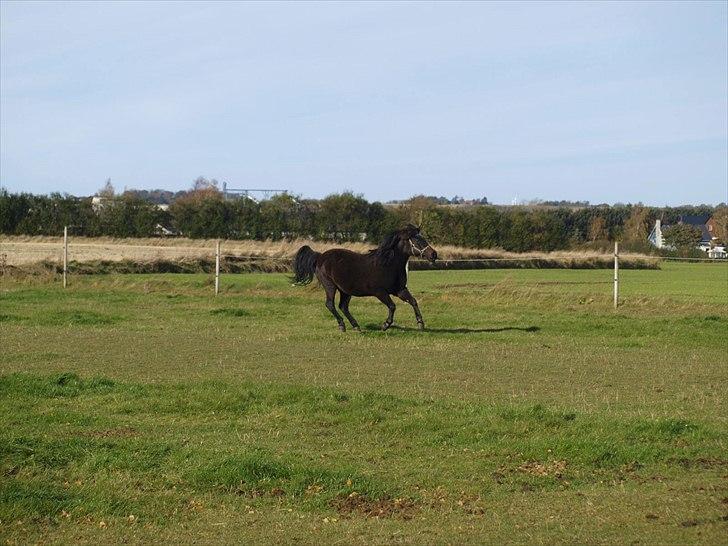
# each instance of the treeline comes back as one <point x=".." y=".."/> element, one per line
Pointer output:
<point x="442" y="200"/>
<point x="204" y="213"/>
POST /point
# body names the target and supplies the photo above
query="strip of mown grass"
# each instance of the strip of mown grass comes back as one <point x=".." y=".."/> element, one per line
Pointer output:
<point x="88" y="452"/>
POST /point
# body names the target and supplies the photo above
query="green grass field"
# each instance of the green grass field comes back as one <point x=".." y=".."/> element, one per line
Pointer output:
<point x="140" y="408"/>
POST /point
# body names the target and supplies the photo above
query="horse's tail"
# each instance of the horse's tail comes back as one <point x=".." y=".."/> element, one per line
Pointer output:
<point x="304" y="265"/>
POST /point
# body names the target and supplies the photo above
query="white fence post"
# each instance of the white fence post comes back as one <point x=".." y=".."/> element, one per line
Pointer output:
<point x="217" y="268"/>
<point x="65" y="255"/>
<point x="616" y="274"/>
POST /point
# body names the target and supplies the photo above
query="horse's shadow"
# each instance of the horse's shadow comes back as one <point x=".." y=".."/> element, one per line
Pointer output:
<point x="376" y="327"/>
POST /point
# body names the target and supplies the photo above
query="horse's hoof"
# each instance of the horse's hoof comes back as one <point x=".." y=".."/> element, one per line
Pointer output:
<point x="356" y="328"/>
<point x="342" y="328"/>
<point x="386" y="326"/>
<point x="421" y="325"/>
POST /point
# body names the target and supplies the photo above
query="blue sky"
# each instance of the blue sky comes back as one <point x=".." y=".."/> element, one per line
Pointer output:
<point x="606" y="102"/>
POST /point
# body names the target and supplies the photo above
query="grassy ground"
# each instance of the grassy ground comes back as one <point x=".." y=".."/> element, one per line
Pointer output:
<point x="140" y="408"/>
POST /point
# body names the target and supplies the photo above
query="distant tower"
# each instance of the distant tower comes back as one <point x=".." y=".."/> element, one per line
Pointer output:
<point x="515" y="200"/>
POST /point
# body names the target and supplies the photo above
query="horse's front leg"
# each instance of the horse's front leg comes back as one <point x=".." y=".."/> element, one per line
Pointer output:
<point x="386" y="300"/>
<point x="405" y="295"/>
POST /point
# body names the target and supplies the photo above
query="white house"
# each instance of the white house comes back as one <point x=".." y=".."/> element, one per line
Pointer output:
<point x="718" y="252"/>
<point x="655" y="236"/>
<point x="97" y="203"/>
<point x="704" y="223"/>
<point x="159" y="229"/>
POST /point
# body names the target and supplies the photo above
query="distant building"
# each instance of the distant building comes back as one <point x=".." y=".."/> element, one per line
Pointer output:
<point x="254" y="195"/>
<point x="711" y="224"/>
<point x="704" y="223"/>
<point x="97" y="203"/>
<point x="718" y="253"/>
<point x="162" y="231"/>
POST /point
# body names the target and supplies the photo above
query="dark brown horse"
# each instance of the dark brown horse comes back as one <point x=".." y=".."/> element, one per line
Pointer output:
<point x="381" y="272"/>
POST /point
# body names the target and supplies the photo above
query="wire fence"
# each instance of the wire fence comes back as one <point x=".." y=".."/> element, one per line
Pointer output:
<point x="55" y="254"/>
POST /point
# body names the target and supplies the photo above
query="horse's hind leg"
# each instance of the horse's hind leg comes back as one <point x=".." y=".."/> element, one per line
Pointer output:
<point x="409" y="298"/>
<point x="386" y="300"/>
<point x="344" y="306"/>
<point x="330" y="289"/>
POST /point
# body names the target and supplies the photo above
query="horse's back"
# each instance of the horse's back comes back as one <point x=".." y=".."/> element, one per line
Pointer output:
<point x="341" y="260"/>
<point x="341" y="253"/>
<point x="357" y="274"/>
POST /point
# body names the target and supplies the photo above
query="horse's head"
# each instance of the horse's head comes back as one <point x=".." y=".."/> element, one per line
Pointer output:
<point x="416" y="245"/>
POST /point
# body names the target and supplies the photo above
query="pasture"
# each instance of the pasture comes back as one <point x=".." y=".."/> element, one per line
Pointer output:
<point x="140" y="408"/>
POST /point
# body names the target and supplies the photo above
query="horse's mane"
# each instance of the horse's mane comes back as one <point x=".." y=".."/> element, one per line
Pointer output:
<point x="385" y="252"/>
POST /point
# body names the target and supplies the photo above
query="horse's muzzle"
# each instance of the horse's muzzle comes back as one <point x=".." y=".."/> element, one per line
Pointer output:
<point x="432" y="256"/>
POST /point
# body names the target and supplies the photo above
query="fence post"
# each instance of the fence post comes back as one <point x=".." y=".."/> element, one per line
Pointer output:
<point x="217" y="268"/>
<point x="65" y="255"/>
<point x="616" y="274"/>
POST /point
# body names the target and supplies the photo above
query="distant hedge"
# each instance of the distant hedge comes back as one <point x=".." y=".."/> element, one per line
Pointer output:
<point x="341" y="217"/>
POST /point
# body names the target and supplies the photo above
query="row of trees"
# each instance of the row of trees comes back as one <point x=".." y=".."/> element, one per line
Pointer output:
<point x="204" y="213"/>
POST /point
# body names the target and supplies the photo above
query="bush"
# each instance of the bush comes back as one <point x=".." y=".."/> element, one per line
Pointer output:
<point x="203" y="212"/>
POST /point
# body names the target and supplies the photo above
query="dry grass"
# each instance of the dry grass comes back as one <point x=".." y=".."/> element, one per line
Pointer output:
<point x="25" y="250"/>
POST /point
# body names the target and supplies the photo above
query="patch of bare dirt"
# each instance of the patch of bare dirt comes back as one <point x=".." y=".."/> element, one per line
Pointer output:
<point x="360" y="505"/>
<point x="535" y="468"/>
<point x="441" y="499"/>
<point x="256" y="492"/>
<point x="471" y="504"/>
<point x="702" y="462"/>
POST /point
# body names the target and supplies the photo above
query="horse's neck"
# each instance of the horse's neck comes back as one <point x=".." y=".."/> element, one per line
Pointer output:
<point x="401" y="261"/>
<point x="398" y="262"/>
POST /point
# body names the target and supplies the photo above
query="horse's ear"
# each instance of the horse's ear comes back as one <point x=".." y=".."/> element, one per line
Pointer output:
<point x="412" y="229"/>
